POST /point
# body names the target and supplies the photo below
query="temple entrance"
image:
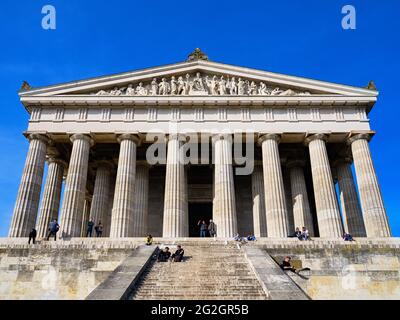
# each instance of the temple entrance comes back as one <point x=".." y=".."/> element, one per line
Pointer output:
<point x="198" y="211"/>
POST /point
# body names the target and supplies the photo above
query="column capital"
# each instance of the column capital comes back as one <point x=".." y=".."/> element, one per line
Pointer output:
<point x="358" y="136"/>
<point x="316" y="136"/>
<point x="81" y="136"/>
<point x="344" y="160"/>
<point x="176" y="136"/>
<point x="54" y="159"/>
<point x="129" y="136"/>
<point x="268" y="136"/>
<point x="221" y="136"/>
<point x="38" y="136"/>
<point x="143" y="163"/>
<point x="295" y="163"/>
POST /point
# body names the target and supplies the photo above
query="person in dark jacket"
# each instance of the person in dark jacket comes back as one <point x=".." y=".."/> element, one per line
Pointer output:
<point x="203" y="228"/>
<point x="32" y="236"/>
<point x="164" y="255"/>
<point x="287" y="265"/>
<point x="212" y="230"/>
<point x="89" y="228"/>
<point x="99" y="230"/>
<point x="53" y="229"/>
<point x="178" y="255"/>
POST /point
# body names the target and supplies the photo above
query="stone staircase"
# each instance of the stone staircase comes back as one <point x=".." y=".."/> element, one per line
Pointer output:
<point x="209" y="272"/>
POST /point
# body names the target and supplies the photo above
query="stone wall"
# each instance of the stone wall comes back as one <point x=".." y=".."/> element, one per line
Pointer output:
<point x="366" y="269"/>
<point x="62" y="270"/>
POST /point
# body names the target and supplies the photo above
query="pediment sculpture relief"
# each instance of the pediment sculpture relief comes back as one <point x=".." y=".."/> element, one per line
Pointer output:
<point x="200" y="85"/>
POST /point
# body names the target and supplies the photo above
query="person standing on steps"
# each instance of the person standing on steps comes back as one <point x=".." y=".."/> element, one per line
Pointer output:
<point x="203" y="228"/>
<point x="212" y="230"/>
<point x="99" y="230"/>
<point x="53" y="229"/>
<point x="32" y="236"/>
<point x="89" y="228"/>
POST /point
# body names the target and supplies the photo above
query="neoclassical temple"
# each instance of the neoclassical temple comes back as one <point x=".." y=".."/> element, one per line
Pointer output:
<point x="156" y="150"/>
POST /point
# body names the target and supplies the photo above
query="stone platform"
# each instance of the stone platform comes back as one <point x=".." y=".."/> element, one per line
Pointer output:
<point x="368" y="268"/>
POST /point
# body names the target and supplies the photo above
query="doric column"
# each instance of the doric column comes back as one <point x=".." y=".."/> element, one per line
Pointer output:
<point x="259" y="215"/>
<point x="351" y="210"/>
<point x="224" y="204"/>
<point x="288" y="195"/>
<point x="26" y="205"/>
<point x="50" y="204"/>
<point x="141" y="199"/>
<point x="99" y="207"/>
<point x="176" y="219"/>
<point x="328" y="214"/>
<point x="75" y="187"/>
<point x="85" y="215"/>
<point x="275" y="198"/>
<point x="301" y="207"/>
<point x="375" y="219"/>
<point x="122" y="217"/>
<point x="107" y="218"/>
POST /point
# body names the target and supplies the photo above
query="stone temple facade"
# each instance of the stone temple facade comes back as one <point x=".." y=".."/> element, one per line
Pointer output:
<point x="156" y="150"/>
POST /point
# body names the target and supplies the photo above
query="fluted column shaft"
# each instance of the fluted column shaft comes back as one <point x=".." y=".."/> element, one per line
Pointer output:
<point x="328" y="214"/>
<point x="107" y="217"/>
<point x="26" y="205"/>
<point x="85" y="216"/>
<point x="275" y="198"/>
<point x="301" y="207"/>
<point x="141" y="200"/>
<point x="75" y="187"/>
<point x="225" y="217"/>
<point x="176" y="219"/>
<point x="122" y="217"/>
<point x="259" y="215"/>
<point x="351" y="210"/>
<point x="375" y="219"/>
<point x="50" y="204"/>
<point x="101" y="191"/>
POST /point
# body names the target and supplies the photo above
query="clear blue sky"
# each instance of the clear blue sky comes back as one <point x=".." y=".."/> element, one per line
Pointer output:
<point x="302" y="38"/>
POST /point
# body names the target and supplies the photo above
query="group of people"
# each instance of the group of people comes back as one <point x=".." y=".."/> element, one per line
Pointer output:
<point x="302" y="234"/>
<point x="244" y="239"/>
<point x="98" y="228"/>
<point x="207" y="230"/>
<point x="165" y="255"/>
<point x="52" y="231"/>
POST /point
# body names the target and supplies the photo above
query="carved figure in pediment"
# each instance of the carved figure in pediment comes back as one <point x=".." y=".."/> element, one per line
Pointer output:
<point x="305" y="93"/>
<point x="116" y="92"/>
<point x="222" y="86"/>
<point x="189" y="84"/>
<point x="154" y="87"/>
<point x="130" y="91"/>
<point x="140" y="90"/>
<point x="212" y="85"/>
<point x="174" y="87"/>
<point x="102" y="93"/>
<point x="181" y="86"/>
<point x="288" y="92"/>
<point x="241" y="87"/>
<point x="198" y="83"/>
<point x="232" y="86"/>
<point x="252" y="89"/>
<point x="163" y="87"/>
<point x="263" y="90"/>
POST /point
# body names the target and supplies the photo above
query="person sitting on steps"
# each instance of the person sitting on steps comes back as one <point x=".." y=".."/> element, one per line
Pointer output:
<point x="178" y="255"/>
<point x="297" y="233"/>
<point x="287" y="265"/>
<point x="164" y="255"/>
<point x="149" y="240"/>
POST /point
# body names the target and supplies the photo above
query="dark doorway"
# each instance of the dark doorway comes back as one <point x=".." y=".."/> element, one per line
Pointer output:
<point x="198" y="211"/>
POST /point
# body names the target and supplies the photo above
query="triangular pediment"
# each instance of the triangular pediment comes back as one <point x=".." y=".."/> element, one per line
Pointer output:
<point x="197" y="78"/>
